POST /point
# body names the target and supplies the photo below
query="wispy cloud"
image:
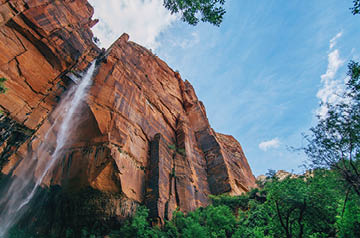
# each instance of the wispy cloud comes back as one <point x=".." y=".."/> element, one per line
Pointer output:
<point x="187" y="42"/>
<point x="143" y="20"/>
<point x="334" y="63"/>
<point x="270" y="144"/>
<point x="334" y="39"/>
<point x="332" y="88"/>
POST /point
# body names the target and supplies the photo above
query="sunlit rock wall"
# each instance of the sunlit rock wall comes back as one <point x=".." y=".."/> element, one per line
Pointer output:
<point x="144" y="137"/>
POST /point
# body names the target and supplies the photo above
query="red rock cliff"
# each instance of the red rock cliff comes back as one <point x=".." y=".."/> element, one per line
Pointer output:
<point x="145" y="135"/>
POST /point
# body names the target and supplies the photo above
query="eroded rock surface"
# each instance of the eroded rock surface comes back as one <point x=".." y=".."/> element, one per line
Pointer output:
<point x="39" y="41"/>
<point x="144" y="137"/>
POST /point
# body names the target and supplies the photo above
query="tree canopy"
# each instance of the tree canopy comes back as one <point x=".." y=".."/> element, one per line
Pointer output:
<point x="356" y="8"/>
<point x="212" y="11"/>
<point x="335" y="141"/>
<point x="314" y="206"/>
<point x="192" y="11"/>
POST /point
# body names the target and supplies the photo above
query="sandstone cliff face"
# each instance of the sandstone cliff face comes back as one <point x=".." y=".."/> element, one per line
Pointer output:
<point x="39" y="41"/>
<point x="144" y="136"/>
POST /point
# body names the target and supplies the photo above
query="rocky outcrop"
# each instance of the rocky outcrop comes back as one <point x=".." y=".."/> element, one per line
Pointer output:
<point x="282" y="174"/>
<point x="144" y="137"/>
<point x="12" y="135"/>
<point x="139" y="105"/>
<point x="40" y="40"/>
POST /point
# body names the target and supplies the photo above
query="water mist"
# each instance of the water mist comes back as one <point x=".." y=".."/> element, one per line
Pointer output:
<point x="31" y="171"/>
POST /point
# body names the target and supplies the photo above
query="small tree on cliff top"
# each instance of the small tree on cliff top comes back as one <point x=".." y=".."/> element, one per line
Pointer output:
<point x="194" y="10"/>
<point x="2" y="87"/>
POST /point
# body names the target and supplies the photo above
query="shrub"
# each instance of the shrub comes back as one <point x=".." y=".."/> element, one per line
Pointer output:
<point x="2" y="87"/>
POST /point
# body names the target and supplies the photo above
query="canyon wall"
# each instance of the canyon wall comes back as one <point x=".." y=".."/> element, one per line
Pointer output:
<point x="144" y="137"/>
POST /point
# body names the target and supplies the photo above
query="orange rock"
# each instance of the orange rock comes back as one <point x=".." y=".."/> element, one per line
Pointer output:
<point x="39" y="41"/>
<point x="144" y="135"/>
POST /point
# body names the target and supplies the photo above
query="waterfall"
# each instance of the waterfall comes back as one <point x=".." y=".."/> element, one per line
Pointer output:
<point x="31" y="171"/>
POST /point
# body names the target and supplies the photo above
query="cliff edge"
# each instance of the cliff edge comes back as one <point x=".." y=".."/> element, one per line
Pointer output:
<point x="144" y="137"/>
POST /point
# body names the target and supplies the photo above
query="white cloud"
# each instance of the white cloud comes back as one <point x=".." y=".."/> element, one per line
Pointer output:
<point x="332" y="88"/>
<point x="334" y="63"/>
<point x="187" y="43"/>
<point x="270" y="144"/>
<point x="334" y="39"/>
<point x="143" y="20"/>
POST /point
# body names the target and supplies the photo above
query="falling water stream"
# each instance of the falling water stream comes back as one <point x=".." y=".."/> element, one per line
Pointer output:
<point x="32" y="171"/>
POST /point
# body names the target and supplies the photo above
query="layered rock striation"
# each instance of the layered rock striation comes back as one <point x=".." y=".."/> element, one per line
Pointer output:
<point x="40" y="40"/>
<point x="144" y="137"/>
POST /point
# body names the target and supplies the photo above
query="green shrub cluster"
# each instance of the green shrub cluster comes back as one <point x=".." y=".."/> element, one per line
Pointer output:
<point x="311" y="206"/>
<point x="2" y="86"/>
<point x="314" y="206"/>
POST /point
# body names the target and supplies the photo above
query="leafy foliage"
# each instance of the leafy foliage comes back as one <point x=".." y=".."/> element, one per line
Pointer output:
<point x="356" y="8"/>
<point x="313" y="206"/>
<point x="2" y="87"/>
<point x="302" y="206"/>
<point x="194" y="10"/>
<point x="335" y="140"/>
<point x="18" y="233"/>
<point x="233" y="202"/>
<point x="138" y="226"/>
<point x="349" y="222"/>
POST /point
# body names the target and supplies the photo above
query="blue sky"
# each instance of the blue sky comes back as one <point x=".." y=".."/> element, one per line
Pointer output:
<point x="261" y="74"/>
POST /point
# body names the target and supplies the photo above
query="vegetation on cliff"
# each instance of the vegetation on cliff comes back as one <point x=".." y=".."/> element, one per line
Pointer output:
<point x="335" y="141"/>
<point x="314" y="205"/>
<point x="2" y="86"/>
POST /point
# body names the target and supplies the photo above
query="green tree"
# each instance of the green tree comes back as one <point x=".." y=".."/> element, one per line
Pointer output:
<point x="215" y="222"/>
<point x="233" y="202"/>
<point x="220" y="221"/>
<point x="192" y="11"/>
<point x="349" y="221"/>
<point x="137" y="227"/>
<point x="356" y="8"/>
<point x="254" y="221"/>
<point x="194" y="229"/>
<point x="302" y="206"/>
<point x="18" y="233"/>
<point x="287" y="199"/>
<point x="335" y="141"/>
<point x="2" y="87"/>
